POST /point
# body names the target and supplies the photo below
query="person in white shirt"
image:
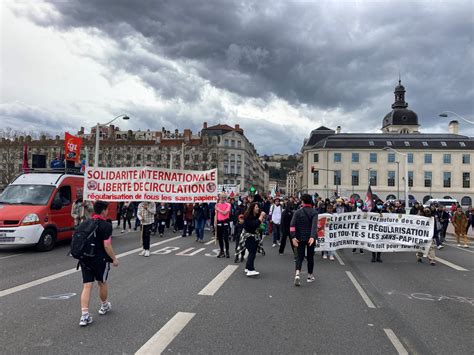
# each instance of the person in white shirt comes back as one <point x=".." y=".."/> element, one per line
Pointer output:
<point x="275" y="215"/>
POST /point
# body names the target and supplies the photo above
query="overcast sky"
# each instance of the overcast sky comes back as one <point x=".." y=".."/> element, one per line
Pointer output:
<point x="278" y="68"/>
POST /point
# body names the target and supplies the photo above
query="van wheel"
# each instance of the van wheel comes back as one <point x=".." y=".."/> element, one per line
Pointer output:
<point x="47" y="240"/>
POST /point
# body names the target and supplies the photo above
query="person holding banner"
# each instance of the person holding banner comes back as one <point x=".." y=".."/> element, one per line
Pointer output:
<point x="331" y="253"/>
<point x="378" y="208"/>
<point x="431" y="251"/>
<point x="303" y="229"/>
<point x="222" y="224"/>
<point x="146" y="215"/>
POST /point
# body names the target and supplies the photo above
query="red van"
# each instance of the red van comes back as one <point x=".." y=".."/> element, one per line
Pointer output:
<point x="35" y="209"/>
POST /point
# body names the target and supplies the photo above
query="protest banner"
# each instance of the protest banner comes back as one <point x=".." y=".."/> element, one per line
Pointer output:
<point x="375" y="232"/>
<point x="229" y="188"/>
<point x="150" y="184"/>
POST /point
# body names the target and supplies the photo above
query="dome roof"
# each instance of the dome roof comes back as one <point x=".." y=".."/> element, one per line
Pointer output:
<point x="400" y="117"/>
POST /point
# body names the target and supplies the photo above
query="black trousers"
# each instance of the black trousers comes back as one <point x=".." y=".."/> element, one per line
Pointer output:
<point x="161" y="226"/>
<point x="251" y="245"/>
<point x="223" y="235"/>
<point x="125" y="221"/>
<point x="283" y="239"/>
<point x="376" y="255"/>
<point x="309" y="249"/>
<point x="146" y="236"/>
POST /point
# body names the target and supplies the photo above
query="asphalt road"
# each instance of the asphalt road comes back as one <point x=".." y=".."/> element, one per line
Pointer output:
<point x="406" y="307"/>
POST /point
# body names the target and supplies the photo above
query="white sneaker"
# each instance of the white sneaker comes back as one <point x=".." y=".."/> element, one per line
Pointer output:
<point x="274" y="245"/>
<point x="310" y="279"/>
<point x="147" y="253"/>
<point x="325" y="256"/>
<point x="331" y="257"/>
<point x="85" y="320"/>
<point x="123" y="231"/>
<point x="459" y="245"/>
<point x="466" y="246"/>
<point x="297" y="280"/>
<point x="142" y="253"/>
<point x="246" y="270"/>
<point x="440" y="247"/>
<point x="252" y="273"/>
<point x="104" y="308"/>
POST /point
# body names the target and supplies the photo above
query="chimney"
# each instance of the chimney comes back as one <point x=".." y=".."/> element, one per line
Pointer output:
<point x="453" y="127"/>
<point x="204" y="125"/>
<point x="237" y="127"/>
<point x="187" y="135"/>
<point x="338" y="129"/>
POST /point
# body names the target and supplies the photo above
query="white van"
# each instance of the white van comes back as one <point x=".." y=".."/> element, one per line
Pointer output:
<point x="441" y="201"/>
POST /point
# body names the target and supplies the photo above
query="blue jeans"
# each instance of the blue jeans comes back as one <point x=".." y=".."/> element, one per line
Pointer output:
<point x="200" y="223"/>
<point x="276" y="232"/>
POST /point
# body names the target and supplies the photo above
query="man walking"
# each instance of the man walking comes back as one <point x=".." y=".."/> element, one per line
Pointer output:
<point x="146" y="215"/>
<point x="275" y="215"/>
<point x="303" y="229"/>
<point x="97" y="268"/>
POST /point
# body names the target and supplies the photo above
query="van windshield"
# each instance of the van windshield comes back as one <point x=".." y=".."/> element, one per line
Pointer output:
<point x="26" y="194"/>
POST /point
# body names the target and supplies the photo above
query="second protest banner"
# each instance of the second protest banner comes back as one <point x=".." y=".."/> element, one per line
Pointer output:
<point x="374" y="232"/>
<point x="150" y="184"/>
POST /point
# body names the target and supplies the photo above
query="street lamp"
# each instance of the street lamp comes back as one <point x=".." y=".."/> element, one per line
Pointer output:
<point x="407" y="209"/>
<point x="97" y="137"/>
<point x="447" y="113"/>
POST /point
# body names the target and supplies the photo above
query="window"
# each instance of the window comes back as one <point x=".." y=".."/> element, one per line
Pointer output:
<point x="239" y="170"/>
<point x="148" y="157"/>
<point x="391" y="157"/>
<point x="446" y="179"/>
<point x="337" y="177"/>
<point x="447" y="158"/>
<point x="371" y="143"/>
<point x="355" y="177"/>
<point x="428" y="158"/>
<point x="355" y="157"/>
<point x="373" y="157"/>
<point x="158" y="157"/>
<point x="407" y="144"/>
<point x="428" y="178"/>
<point x="63" y="196"/>
<point x="239" y="144"/>
<point x="226" y="142"/>
<point x="139" y="156"/>
<point x="391" y="178"/>
<point x="316" y="158"/>
<point x="226" y="169"/>
<point x="466" y="180"/>
<point x="373" y="177"/>
<point x="316" y="177"/>
<point x="444" y="144"/>
<point x="337" y="157"/>
<point x="466" y="158"/>
<point x="410" y="179"/>
<point x="425" y="144"/>
<point x="410" y="158"/>
<point x="232" y="143"/>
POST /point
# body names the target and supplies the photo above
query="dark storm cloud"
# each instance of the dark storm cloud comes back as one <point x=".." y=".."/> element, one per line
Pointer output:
<point x="326" y="55"/>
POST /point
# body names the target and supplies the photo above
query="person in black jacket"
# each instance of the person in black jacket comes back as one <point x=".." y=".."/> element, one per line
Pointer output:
<point x="378" y="208"/>
<point x="303" y="229"/>
<point x="201" y="214"/>
<point x="250" y="236"/>
<point x="286" y="217"/>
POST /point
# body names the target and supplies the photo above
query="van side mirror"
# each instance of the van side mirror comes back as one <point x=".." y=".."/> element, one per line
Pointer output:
<point x="56" y="205"/>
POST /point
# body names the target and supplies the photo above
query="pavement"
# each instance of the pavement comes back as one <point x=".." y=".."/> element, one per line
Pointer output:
<point x="184" y="300"/>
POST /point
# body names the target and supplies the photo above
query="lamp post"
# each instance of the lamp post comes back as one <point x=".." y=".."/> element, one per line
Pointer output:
<point x="447" y="113"/>
<point x="97" y="137"/>
<point x="407" y="209"/>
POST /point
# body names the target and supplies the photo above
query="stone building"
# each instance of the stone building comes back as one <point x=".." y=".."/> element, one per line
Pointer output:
<point x="220" y="146"/>
<point x="439" y="165"/>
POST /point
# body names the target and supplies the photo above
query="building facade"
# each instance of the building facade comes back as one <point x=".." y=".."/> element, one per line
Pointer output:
<point x="439" y="165"/>
<point x="291" y="183"/>
<point x="220" y="146"/>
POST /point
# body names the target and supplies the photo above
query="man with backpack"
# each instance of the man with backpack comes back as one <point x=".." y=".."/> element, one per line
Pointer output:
<point x="92" y="245"/>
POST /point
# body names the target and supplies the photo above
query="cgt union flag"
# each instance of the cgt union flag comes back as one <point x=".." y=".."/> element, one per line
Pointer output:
<point x="150" y="184"/>
<point x="72" y="147"/>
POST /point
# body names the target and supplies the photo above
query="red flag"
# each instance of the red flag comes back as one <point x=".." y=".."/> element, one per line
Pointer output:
<point x="26" y="167"/>
<point x="72" y="147"/>
<point x="369" y="202"/>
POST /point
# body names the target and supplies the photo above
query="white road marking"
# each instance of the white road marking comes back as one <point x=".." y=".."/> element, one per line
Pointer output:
<point x="339" y="259"/>
<point x="455" y="246"/>
<point x="397" y="344"/>
<point x="218" y="281"/>
<point x="43" y="280"/>
<point x="160" y="341"/>
<point x="450" y="264"/>
<point x="361" y="291"/>
<point x="9" y="256"/>
<point x="186" y="252"/>
<point x="210" y="242"/>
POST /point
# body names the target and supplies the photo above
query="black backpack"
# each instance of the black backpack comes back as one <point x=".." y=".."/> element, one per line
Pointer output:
<point x="83" y="240"/>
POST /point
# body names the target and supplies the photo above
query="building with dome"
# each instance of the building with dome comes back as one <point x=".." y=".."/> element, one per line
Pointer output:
<point x="439" y="165"/>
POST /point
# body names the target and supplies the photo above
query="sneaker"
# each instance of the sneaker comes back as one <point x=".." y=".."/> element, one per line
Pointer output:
<point x="466" y="246"/>
<point x="85" y="320"/>
<point x="310" y="279"/>
<point x="278" y="243"/>
<point x="297" y="280"/>
<point x="252" y="273"/>
<point x="123" y="231"/>
<point x="246" y="270"/>
<point x="354" y="250"/>
<point x="147" y="253"/>
<point x="459" y="245"/>
<point x="161" y="235"/>
<point x="331" y="258"/>
<point x="142" y="253"/>
<point x="440" y="247"/>
<point x="362" y="251"/>
<point x="325" y="256"/>
<point x="104" y="308"/>
<point x="274" y="245"/>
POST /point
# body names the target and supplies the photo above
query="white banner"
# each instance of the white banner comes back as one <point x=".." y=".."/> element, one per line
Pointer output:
<point x="371" y="231"/>
<point x="150" y="184"/>
<point x="228" y="188"/>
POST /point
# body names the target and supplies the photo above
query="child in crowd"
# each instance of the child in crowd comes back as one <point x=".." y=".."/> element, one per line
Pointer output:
<point x="238" y="231"/>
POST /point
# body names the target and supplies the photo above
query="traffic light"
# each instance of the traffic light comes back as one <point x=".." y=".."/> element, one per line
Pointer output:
<point x="252" y="189"/>
<point x="313" y="169"/>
